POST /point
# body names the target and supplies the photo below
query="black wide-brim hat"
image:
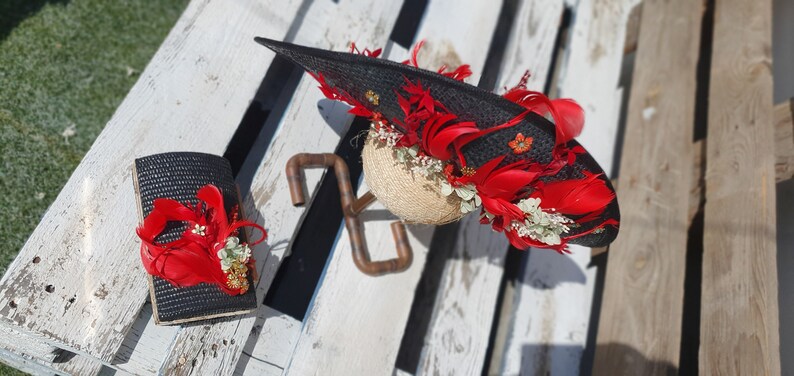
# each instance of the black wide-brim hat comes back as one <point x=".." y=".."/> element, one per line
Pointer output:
<point x="359" y="75"/>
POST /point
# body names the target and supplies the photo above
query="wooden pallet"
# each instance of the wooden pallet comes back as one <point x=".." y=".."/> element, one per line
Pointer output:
<point x="75" y="299"/>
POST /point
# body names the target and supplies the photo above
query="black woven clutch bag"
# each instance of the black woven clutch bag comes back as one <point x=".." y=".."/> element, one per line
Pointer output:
<point x="179" y="176"/>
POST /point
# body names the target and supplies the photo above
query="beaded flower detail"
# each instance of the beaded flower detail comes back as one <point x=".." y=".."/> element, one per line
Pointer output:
<point x="235" y="257"/>
<point x="520" y="144"/>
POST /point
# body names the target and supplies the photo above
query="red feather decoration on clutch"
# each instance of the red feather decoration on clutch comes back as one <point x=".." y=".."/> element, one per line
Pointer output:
<point x="208" y="250"/>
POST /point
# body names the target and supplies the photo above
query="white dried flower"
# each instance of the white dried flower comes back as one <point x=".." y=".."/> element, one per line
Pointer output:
<point x="540" y="225"/>
<point x="233" y="251"/>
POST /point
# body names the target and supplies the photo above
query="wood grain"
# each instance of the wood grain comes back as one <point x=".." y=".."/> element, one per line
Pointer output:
<point x="191" y="97"/>
<point x="643" y="292"/>
<point x="739" y="297"/>
<point x="216" y="349"/>
<point x="784" y="140"/>
<point x="784" y="156"/>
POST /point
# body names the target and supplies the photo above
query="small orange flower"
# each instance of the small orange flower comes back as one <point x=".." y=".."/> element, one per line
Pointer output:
<point x="521" y="144"/>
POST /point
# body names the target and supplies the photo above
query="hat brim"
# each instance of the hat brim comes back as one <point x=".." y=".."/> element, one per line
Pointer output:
<point x="357" y="74"/>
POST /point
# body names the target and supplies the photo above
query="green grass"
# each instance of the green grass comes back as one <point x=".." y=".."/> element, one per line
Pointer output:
<point x="63" y="65"/>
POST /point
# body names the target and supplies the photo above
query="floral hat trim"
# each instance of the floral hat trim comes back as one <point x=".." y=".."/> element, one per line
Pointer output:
<point x="209" y="250"/>
<point x="514" y="198"/>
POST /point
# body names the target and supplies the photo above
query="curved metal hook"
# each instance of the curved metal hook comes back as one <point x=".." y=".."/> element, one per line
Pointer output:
<point x="351" y="207"/>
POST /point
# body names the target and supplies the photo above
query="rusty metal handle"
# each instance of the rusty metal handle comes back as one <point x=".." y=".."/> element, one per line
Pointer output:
<point x="351" y="207"/>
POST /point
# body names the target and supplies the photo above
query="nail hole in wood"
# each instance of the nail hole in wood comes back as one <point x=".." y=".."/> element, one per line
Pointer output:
<point x="49" y="288"/>
<point x="12" y="304"/>
<point x="36" y="260"/>
<point x="232" y="341"/>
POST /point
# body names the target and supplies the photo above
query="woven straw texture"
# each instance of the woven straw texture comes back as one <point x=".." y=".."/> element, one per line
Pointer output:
<point x="179" y="176"/>
<point x="357" y="74"/>
<point x="412" y="197"/>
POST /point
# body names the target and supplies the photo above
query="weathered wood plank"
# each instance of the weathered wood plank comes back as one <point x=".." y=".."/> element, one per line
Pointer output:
<point x="643" y="293"/>
<point x="12" y="339"/>
<point x="361" y="336"/>
<point x="739" y="296"/>
<point x="463" y="314"/>
<point x="24" y="364"/>
<point x="784" y="156"/>
<point x="592" y="71"/>
<point x="454" y="33"/>
<point x="552" y="303"/>
<point x="216" y="349"/>
<point x="461" y="325"/>
<point x="530" y="45"/>
<point x="145" y="345"/>
<point x="27" y="354"/>
<point x="784" y="140"/>
<point x="270" y="344"/>
<point x="633" y="29"/>
<point x="191" y="97"/>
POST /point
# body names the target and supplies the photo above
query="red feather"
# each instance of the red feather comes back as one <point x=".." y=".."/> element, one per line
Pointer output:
<point x="507" y="183"/>
<point x="191" y="259"/>
<point x="569" y="119"/>
<point x="575" y="197"/>
<point x="568" y="116"/>
<point x="460" y="73"/>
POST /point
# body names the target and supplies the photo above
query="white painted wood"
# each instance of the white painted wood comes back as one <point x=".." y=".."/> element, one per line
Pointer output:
<point x="216" y="349"/>
<point x="11" y="354"/>
<point x="592" y="70"/>
<point x="145" y="345"/>
<point x="363" y="335"/>
<point x="365" y="338"/>
<point x="24" y="364"/>
<point x="463" y="315"/>
<point x="461" y="325"/>
<point x="356" y="321"/>
<point x="456" y="33"/>
<point x="530" y="46"/>
<point x="553" y="301"/>
<point x="12" y="339"/>
<point x="270" y="344"/>
<point x="191" y="97"/>
<point x="399" y="372"/>
<point x="548" y="331"/>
